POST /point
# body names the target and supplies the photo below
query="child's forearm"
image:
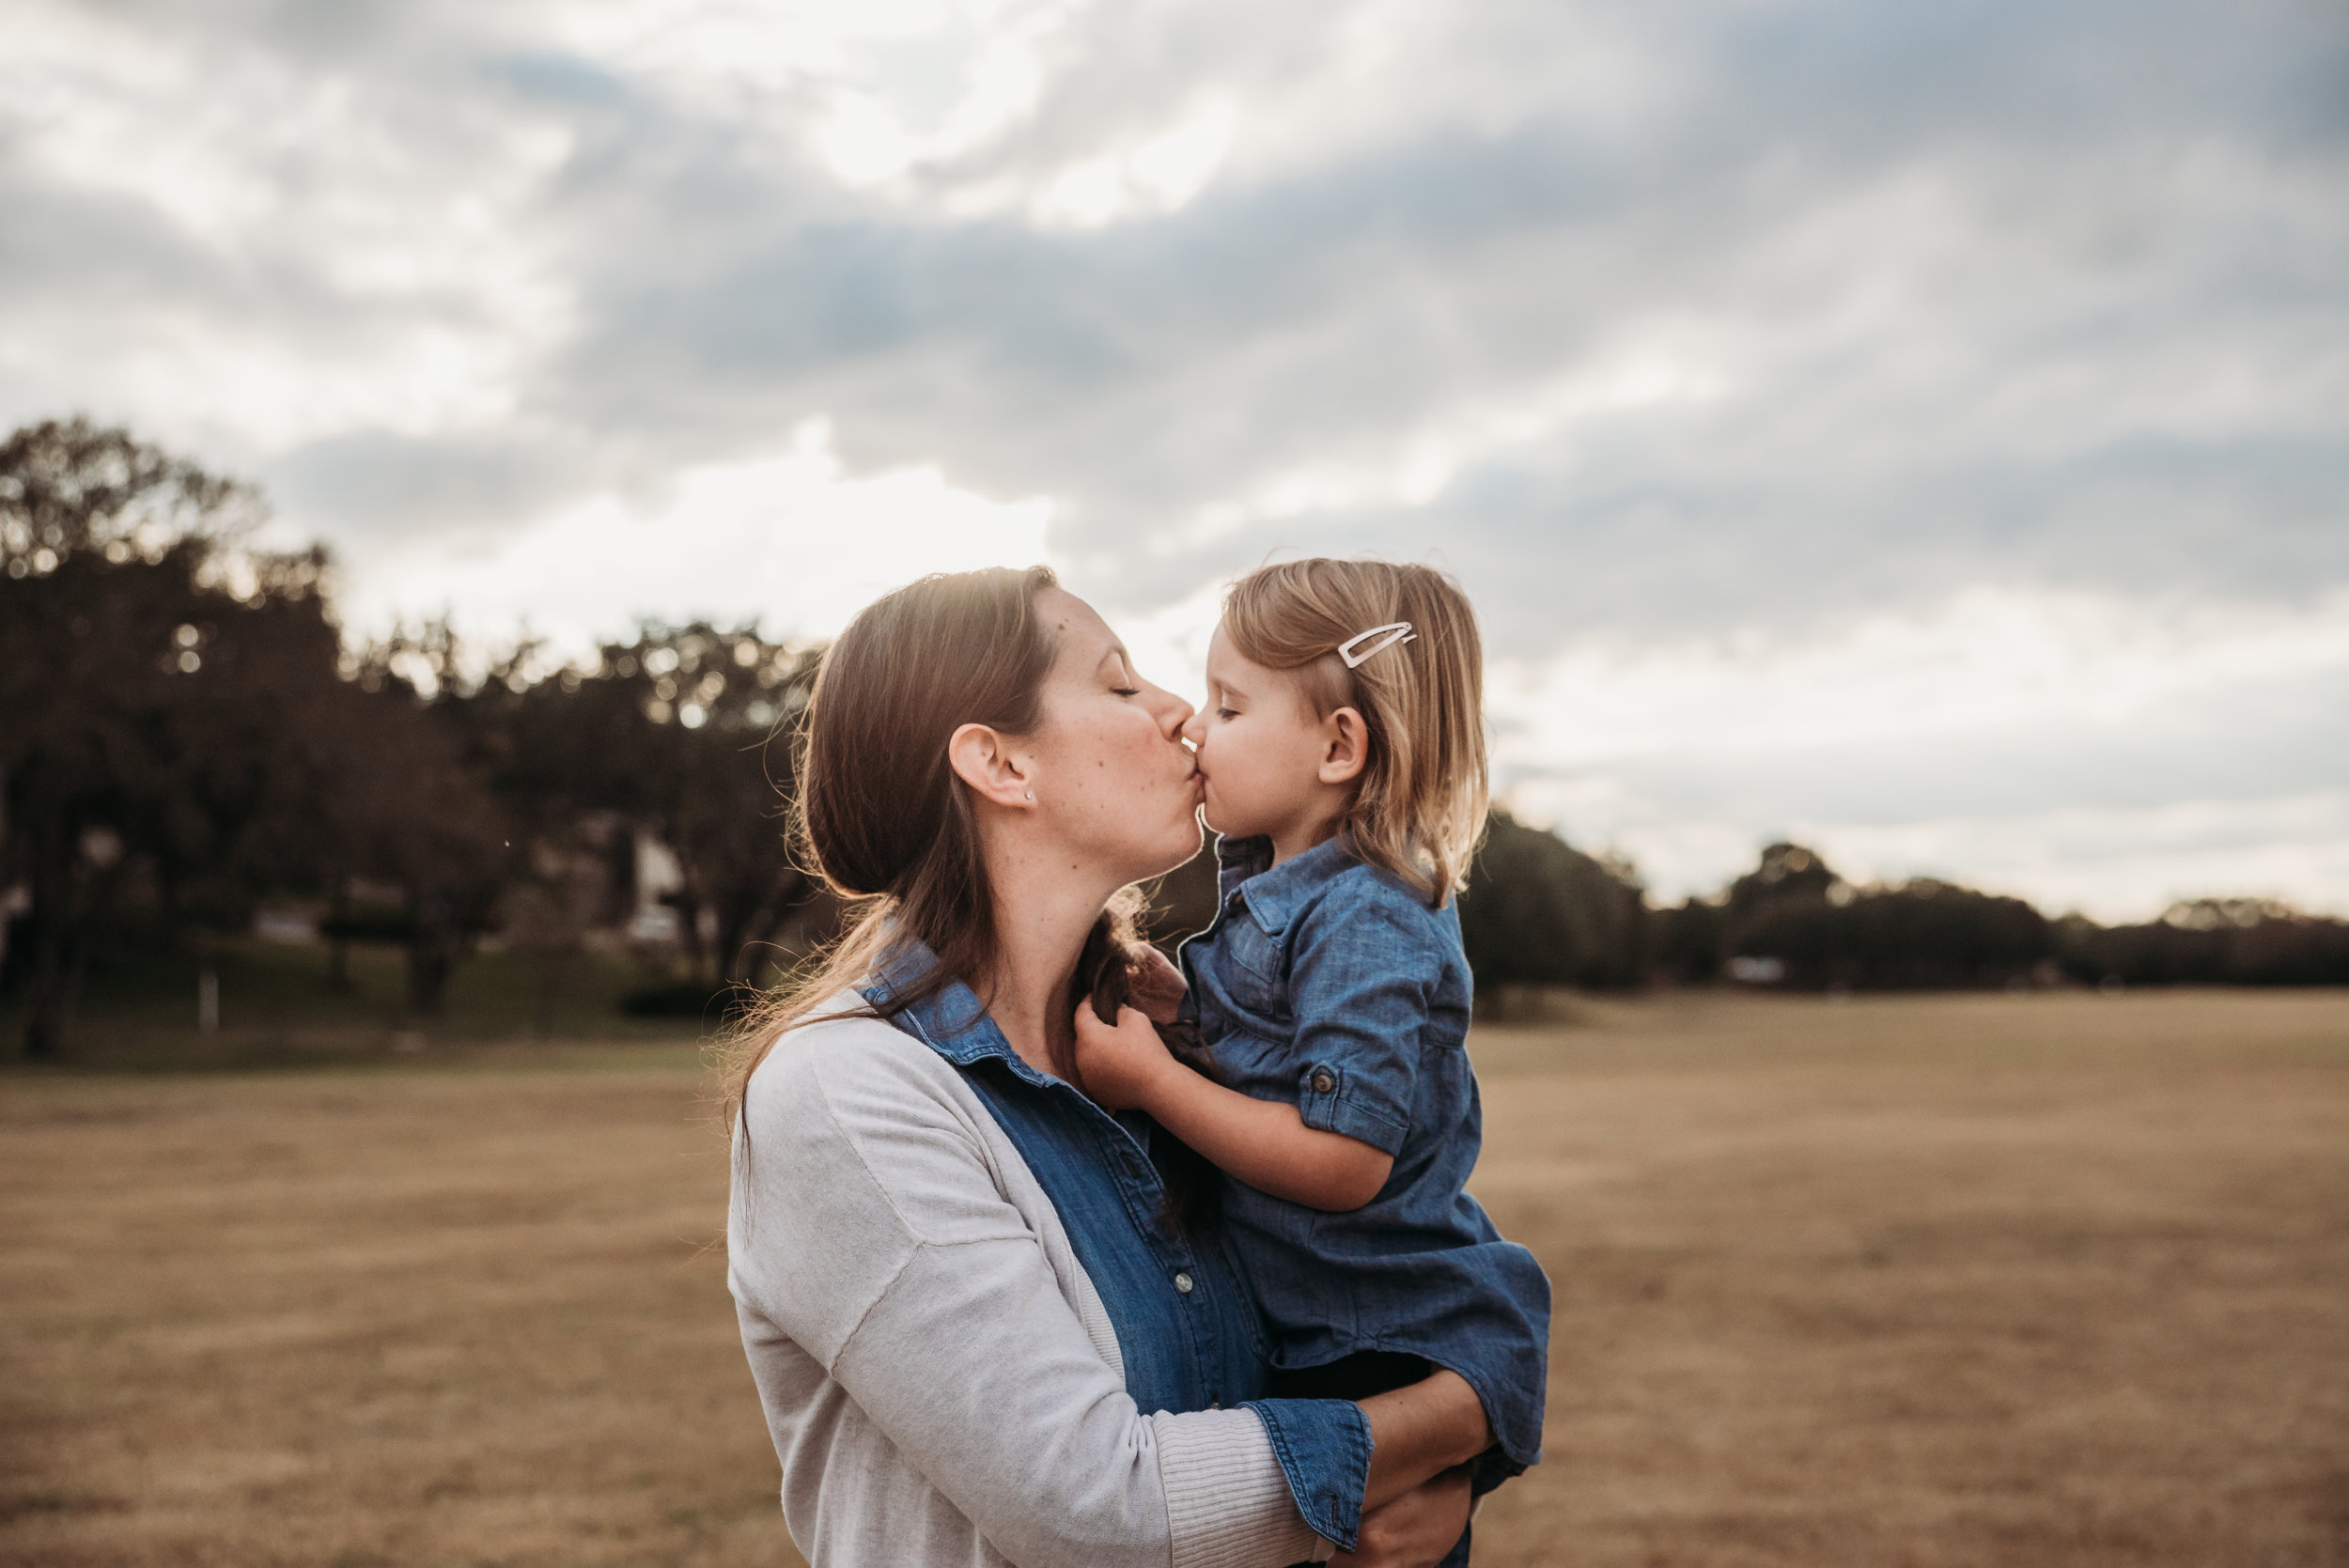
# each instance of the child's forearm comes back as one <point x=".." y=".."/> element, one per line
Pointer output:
<point x="1266" y="1144"/>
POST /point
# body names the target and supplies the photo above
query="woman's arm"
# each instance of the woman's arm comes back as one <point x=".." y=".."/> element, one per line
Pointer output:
<point x="874" y="1235"/>
<point x="1420" y="1431"/>
<point x="1414" y="1514"/>
<point x="1265" y="1143"/>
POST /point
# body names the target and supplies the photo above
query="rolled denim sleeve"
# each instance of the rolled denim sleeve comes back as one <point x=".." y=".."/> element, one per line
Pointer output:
<point x="1323" y="1445"/>
<point x="1364" y="972"/>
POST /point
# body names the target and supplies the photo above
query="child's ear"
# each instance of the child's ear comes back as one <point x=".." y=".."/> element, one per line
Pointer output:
<point x="1344" y="747"/>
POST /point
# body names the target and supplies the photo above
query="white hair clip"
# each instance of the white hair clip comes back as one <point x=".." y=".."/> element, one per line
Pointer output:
<point x="1396" y="631"/>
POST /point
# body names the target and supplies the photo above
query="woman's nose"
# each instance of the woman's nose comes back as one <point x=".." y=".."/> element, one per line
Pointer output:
<point x="1173" y="713"/>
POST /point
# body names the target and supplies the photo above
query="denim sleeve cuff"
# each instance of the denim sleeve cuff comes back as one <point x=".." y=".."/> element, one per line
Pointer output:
<point x="1323" y="1448"/>
<point x="1324" y="1104"/>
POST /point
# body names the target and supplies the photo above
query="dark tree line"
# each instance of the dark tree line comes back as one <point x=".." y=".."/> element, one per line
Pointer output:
<point x="2211" y="941"/>
<point x="184" y="734"/>
<point x="1816" y="930"/>
<point x="176" y="736"/>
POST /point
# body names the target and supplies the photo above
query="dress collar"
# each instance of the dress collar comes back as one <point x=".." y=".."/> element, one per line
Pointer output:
<point x="1276" y="892"/>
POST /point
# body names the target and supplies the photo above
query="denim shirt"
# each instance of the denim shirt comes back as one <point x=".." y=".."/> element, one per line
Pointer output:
<point x="1330" y="985"/>
<point x="1187" y="1327"/>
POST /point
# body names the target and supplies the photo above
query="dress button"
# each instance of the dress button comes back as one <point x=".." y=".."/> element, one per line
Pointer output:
<point x="1182" y="1282"/>
<point x="1323" y="1083"/>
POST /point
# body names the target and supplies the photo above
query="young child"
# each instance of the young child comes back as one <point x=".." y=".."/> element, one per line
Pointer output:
<point x="1342" y="752"/>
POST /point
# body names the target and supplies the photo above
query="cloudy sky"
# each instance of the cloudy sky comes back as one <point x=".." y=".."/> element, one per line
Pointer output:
<point x="1923" y="430"/>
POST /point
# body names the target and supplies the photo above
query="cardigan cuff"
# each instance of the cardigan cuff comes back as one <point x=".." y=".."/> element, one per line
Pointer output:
<point x="1228" y="1502"/>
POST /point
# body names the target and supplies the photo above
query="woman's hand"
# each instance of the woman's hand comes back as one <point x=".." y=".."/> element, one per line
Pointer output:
<point x="1416" y="1529"/>
<point x="1154" y="984"/>
<point x="1119" y="1067"/>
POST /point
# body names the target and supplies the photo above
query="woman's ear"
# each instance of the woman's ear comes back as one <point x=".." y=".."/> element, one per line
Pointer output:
<point x="1344" y="747"/>
<point x="981" y="759"/>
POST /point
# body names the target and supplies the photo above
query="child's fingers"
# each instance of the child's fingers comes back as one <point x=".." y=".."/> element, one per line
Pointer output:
<point x="1134" y="1030"/>
<point x="1135" y="1027"/>
<point x="1157" y="985"/>
<point x="1090" y="1028"/>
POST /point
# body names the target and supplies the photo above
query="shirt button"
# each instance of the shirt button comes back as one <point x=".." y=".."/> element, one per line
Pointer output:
<point x="1323" y="1083"/>
<point x="1182" y="1283"/>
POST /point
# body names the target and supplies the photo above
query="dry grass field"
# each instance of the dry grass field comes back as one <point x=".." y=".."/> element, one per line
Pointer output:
<point x="2045" y="1279"/>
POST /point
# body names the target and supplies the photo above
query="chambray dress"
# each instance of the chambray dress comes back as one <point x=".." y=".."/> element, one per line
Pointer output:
<point x="1328" y="984"/>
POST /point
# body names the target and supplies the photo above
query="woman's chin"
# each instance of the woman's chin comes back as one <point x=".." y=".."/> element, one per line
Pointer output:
<point x="1181" y="846"/>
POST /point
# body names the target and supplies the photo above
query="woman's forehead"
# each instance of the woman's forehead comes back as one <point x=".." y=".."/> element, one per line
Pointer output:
<point x="1083" y="637"/>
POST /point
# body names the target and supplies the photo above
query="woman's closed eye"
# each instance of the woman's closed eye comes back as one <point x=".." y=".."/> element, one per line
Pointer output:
<point x="1126" y="690"/>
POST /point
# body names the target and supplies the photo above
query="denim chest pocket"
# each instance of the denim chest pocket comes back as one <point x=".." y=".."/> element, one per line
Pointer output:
<point x="1253" y="973"/>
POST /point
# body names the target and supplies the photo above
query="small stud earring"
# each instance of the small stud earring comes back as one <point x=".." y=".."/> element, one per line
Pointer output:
<point x="1031" y="794"/>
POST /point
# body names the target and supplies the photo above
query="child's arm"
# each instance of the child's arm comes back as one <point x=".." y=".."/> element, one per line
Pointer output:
<point x="1265" y="1143"/>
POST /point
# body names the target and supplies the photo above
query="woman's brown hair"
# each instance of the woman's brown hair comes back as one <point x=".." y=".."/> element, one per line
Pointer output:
<point x="1419" y="807"/>
<point x="880" y="811"/>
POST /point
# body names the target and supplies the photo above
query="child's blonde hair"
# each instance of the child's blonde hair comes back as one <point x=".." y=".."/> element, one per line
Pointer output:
<point x="1419" y="806"/>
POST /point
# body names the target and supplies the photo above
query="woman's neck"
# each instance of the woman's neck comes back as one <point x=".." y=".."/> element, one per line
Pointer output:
<point x="1043" y="913"/>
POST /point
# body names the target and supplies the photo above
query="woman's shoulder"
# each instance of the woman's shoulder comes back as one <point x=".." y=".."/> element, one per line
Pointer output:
<point x="841" y="1057"/>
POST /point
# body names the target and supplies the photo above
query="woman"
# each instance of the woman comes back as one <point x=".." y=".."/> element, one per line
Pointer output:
<point x="983" y="1327"/>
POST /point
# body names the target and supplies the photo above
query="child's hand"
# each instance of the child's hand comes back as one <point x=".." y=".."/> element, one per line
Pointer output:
<point x="1118" y="1065"/>
<point x="1154" y="984"/>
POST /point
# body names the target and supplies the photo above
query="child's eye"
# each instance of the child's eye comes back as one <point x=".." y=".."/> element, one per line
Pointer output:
<point x="1227" y="713"/>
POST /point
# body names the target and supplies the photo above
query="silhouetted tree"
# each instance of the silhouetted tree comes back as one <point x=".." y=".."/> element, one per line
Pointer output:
<point x="1825" y="931"/>
<point x="683" y="732"/>
<point x="1787" y="871"/>
<point x="1540" y="912"/>
<point x="145" y="658"/>
<point x="173" y="716"/>
<point x="423" y="818"/>
<point x="1692" y="939"/>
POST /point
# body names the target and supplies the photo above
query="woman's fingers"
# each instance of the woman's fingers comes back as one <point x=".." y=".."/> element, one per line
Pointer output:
<point x="1416" y="1529"/>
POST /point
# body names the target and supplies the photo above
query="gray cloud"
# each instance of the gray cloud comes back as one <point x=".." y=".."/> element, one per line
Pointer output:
<point x="1654" y="322"/>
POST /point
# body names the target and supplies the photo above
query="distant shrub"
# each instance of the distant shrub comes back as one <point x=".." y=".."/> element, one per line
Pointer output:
<point x="2212" y="942"/>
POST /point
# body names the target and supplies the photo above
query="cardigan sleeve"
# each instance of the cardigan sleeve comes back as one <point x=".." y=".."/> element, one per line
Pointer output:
<point x="874" y="1232"/>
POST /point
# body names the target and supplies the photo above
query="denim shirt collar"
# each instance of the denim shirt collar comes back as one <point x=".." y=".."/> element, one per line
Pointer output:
<point x="953" y="1022"/>
<point x="1276" y="892"/>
